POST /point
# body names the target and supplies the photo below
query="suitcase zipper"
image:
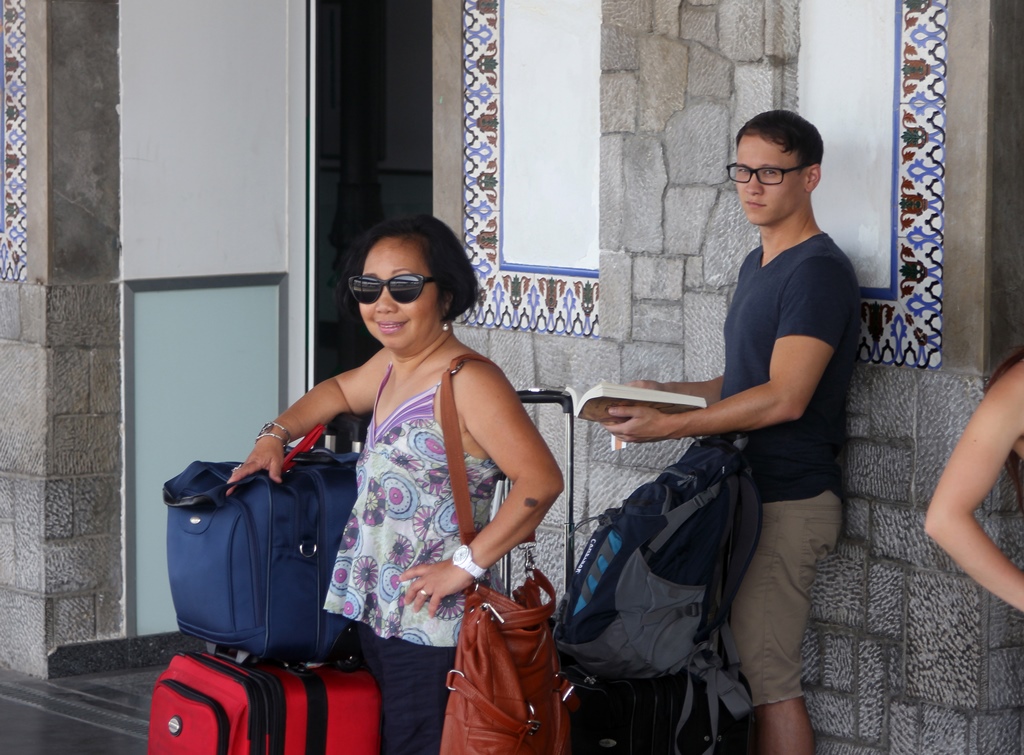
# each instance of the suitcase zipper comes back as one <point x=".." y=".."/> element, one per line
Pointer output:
<point x="256" y="702"/>
<point x="223" y="726"/>
<point x="254" y="564"/>
<point x="321" y="589"/>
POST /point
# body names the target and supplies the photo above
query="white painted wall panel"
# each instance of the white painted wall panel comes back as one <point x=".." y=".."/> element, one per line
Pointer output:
<point x="852" y="102"/>
<point x="203" y="130"/>
<point x="551" y="98"/>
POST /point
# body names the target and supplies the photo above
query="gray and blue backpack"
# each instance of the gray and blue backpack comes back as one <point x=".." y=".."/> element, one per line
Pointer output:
<point x="658" y="575"/>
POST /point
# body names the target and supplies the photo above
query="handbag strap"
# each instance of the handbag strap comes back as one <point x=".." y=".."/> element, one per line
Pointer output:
<point x="453" y="447"/>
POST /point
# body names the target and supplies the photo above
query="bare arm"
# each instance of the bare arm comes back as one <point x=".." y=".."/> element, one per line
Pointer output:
<point x="495" y="426"/>
<point x="352" y="392"/>
<point x="972" y="470"/>
<point x="796" y="367"/>
<point x="506" y="434"/>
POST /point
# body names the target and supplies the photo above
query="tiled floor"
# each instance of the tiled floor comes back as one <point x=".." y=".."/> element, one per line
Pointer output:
<point x="96" y="714"/>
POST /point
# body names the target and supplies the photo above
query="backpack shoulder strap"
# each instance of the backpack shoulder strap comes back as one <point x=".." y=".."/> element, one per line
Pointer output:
<point x="678" y="516"/>
<point x="744" y="543"/>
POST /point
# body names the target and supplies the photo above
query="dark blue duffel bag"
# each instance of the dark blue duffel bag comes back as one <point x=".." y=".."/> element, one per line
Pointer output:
<point x="250" y="571"/>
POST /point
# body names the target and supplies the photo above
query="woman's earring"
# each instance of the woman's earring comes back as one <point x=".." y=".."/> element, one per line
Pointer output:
<point x="446" y="327"/>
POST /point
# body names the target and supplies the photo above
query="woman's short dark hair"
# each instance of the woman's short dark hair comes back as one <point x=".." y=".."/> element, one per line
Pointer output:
<point x="445" y="256"/>
<point x="790" y="131"/>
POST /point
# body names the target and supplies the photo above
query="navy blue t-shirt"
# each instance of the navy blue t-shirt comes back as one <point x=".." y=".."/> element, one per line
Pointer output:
<point x="808" y="290"/>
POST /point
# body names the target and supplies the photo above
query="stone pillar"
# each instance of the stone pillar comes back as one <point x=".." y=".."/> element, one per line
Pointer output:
<point x="1006" y="157"/>
<point x="61" y="579"/>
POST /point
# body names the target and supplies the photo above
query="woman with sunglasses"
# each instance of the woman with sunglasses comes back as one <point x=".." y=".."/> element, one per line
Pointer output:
<point x="401" y="571"/>
<point x="994" y="438"/>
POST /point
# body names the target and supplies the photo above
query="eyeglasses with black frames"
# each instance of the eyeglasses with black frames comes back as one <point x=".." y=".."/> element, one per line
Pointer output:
<point x="741" y="174"/>
<point x="404" y="289"/>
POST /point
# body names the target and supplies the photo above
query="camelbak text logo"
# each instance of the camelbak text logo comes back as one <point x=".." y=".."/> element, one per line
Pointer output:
<point x="586" y="555"/>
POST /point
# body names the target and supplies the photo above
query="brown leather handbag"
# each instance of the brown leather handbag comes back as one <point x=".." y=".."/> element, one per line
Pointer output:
<point x="507" y="693"/>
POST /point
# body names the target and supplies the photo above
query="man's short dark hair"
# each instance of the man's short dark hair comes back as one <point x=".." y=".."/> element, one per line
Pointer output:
<point x="790" y="131"/>
<point x="445" y="256"/>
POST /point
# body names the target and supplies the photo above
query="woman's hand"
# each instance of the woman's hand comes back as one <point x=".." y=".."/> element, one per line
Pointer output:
<point x="432" y="582"/>
<point x="352" y="392"/>
<point x="268" y="454"/>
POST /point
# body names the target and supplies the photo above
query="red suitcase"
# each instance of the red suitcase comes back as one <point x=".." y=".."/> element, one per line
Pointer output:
<point x="204" y="705"/>
<point x="330" y="711"/>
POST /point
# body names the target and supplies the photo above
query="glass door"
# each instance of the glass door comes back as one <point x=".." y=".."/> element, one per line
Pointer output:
<point x="371" y="155"/>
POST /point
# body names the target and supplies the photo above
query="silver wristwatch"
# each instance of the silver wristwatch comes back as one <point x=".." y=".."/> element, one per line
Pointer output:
<point x="463" y="558"/>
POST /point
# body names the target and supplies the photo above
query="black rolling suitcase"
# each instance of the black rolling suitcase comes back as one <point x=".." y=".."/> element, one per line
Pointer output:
<point x="646" y="717"/>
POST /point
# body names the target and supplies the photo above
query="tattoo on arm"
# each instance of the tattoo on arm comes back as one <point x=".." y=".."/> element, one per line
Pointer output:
<point x="531" y="503"/>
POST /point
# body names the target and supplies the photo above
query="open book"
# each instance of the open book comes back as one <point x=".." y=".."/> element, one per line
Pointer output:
<point x="593" y="404"/>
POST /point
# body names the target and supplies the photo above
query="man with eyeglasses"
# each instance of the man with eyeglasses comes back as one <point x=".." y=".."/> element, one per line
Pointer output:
<point x="790" y="341"/>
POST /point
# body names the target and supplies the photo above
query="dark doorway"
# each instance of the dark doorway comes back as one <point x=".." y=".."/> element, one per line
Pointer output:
<point x="373" y="146"/>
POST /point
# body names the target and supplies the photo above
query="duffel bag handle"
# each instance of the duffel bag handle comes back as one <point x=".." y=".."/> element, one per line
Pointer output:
<point x="302" y="446"/>
<point x="207" y="479"/>
<point x="200" y="484"/>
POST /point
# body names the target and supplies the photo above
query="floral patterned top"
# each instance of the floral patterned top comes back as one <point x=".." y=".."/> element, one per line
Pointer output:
<point x="404" y="515"/>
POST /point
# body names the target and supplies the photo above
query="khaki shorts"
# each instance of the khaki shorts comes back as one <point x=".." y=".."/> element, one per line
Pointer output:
<point x="769" y="614"/>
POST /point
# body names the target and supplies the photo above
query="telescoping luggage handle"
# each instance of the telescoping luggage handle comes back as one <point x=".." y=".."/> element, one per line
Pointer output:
<point x="563" y="399"/>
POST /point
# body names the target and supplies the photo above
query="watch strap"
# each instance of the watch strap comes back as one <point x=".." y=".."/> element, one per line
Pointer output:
<point x="475" y="570"/>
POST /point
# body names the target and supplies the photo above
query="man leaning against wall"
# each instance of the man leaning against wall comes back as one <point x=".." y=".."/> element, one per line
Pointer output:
<point x="790" y="341"/>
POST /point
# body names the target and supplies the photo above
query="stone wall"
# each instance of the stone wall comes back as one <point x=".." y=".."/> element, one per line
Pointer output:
<point x="60" y="471"/>
<point x="905" y="654"/>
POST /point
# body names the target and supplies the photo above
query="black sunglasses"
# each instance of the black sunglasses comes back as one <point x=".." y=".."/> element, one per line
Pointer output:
<point x="404" y="289"/>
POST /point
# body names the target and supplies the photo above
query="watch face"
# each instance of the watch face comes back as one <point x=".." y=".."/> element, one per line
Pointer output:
<point x="461" y="555"/>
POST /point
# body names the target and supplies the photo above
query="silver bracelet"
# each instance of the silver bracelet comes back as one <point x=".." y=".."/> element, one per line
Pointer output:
<point x="268" y="434"/>
<point x="268" y="429"/>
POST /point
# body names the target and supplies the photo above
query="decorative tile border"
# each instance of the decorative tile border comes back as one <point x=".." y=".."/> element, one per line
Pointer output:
<point x="12" y="230"/>
<point x="903" y="326"/>
<point x="900" y="326"/>
<point x="513" y="297"/>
